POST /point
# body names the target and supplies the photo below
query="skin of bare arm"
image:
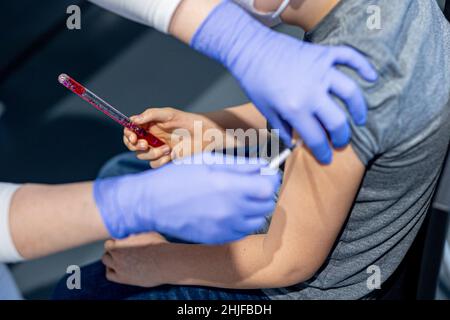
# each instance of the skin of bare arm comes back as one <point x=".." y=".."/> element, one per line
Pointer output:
<point x="306" y="13"/>
<point x="46" y="219"/>
<point x="245" y="116"/>
<point x="313" y="206"/>
<point x="188" y="17"/>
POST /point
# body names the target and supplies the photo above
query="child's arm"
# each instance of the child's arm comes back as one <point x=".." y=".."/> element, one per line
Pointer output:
<point x="245" y="116"/>
<point x="164" y="123"/>
<point x="314" y="203"/>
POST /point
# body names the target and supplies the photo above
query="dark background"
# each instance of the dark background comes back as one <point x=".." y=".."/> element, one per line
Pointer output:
<point x="52" y="136"/>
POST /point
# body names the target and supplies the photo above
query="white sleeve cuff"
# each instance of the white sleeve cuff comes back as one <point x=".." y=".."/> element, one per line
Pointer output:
<point x="8" y="251"/>
<point x="153" y="13"/>
<point x="164" y="14"/>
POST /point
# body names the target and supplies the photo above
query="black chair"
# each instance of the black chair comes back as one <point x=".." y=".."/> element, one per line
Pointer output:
<point x="437" y="228"/>
<point x="447" y="10"/>
<point x="417" y="275"/>
<point x="436" y="234"/>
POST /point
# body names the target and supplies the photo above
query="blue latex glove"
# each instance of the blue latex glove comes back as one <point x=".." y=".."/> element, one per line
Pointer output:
<point x="288" y="80"/>
<point x="194" y="202"/>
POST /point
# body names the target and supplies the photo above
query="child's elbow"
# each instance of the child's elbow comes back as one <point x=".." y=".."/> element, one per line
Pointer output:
<point x="289" y="275"/>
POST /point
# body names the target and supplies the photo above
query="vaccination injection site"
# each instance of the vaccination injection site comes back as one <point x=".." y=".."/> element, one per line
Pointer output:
<point x="224" y="154"/>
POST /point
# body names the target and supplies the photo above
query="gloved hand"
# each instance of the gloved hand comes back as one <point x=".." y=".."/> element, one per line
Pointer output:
<point x="288" y="80"/>
<point x="203" y="203"/>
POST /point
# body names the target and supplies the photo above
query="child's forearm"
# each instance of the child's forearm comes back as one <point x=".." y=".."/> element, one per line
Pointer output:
<point x="244" y="117"/>
<point x="240" y="265"/>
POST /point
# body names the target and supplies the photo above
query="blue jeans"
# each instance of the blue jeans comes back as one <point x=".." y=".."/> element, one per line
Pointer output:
<point x="8" y="288"/>
<point x="95" y="286"/>
<point x="125" y="163"/>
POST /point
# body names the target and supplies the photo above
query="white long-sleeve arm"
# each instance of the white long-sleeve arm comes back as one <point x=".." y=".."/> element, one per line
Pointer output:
<point x="8" y="251"/>
<point x="153" y="13"/>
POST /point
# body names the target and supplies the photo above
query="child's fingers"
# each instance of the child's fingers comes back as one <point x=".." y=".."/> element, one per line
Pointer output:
<point x="131" y="136"/>
<point x="160" y="162"/>
<point x="154" y="153"/>
<point x="154" y="115"/>
<point x="107" y="260"/>
<point x="129" y="145"/>
<point x="110" y="245"/>
<point x="142" y="145"/>
<point x="142" y="155"/>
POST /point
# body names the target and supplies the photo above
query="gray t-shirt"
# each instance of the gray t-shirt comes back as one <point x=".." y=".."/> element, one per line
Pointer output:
<point x="403" y="145"/>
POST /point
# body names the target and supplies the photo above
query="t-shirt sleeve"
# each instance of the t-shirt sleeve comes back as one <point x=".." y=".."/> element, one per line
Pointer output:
<point x="382" y="129"/>
<point x="364" y="144"/>
<point x="387" y="123"/>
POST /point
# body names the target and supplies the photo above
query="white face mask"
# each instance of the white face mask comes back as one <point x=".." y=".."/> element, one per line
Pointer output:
<point x="268" y="18"/>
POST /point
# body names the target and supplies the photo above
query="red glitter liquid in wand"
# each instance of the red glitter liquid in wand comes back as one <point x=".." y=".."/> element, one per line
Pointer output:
<point x="107" y="109"/>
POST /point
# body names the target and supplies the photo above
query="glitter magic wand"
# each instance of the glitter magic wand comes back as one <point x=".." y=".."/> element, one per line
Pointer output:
<point x="108" y="110"/>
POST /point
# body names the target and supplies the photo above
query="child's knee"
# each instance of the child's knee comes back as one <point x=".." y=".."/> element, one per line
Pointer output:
<point x="125" y="163"/>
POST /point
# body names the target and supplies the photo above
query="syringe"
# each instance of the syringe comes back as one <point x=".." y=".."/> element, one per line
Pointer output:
<point x="107" y="109"/>
<point x="279" y="160"/>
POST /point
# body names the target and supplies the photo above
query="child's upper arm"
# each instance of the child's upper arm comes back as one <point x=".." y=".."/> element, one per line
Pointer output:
<point x="313" y="206"/>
